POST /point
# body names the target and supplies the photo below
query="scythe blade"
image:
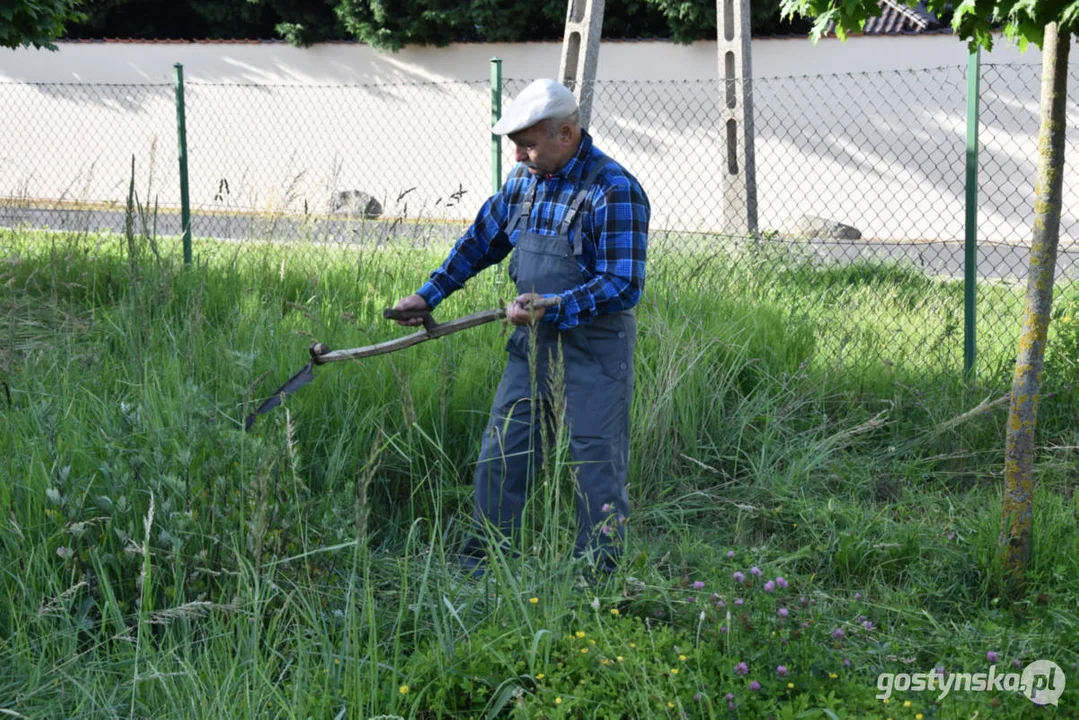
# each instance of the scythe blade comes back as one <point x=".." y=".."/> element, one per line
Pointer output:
<point x="294" y="383"/>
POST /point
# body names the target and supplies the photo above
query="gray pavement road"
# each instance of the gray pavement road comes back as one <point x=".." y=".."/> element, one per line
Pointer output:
<point x="237" y="227"/>
<point x="995" y="260"/>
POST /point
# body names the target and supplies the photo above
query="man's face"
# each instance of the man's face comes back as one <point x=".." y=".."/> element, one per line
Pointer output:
<point x="541" y="153"/>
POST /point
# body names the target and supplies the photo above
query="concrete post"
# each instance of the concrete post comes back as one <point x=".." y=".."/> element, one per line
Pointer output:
<point x="577" y="69"/>
<point x="736" y="111"/>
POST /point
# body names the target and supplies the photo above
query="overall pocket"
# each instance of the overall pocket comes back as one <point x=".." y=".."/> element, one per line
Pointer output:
<point x="612" y="349"/>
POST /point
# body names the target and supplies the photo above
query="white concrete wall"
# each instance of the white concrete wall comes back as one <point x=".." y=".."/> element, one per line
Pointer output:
<point x="351" y="63"/>
<point x="869" y="132"/>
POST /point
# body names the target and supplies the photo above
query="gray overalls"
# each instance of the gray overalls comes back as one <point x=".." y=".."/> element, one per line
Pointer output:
<point x="598" y="369"/>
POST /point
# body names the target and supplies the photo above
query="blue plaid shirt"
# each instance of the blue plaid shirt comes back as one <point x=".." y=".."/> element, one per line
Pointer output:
<point x="615" y="231"/>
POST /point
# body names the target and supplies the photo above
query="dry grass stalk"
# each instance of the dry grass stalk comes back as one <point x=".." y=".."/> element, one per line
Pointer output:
<point x="195" y="609"/>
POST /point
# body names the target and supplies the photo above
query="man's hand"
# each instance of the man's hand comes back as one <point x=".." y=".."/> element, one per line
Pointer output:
<point x="412" y="302"/>
<point x="518" y="312"/>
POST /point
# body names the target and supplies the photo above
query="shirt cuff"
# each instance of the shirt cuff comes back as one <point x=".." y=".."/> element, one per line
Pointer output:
<point x="431" y="293"/>
<point x="556" y="313"/>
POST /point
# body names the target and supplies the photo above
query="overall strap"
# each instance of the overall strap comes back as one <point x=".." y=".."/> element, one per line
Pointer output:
<point x="526" y="209"/>
<point x="578" y="200"/>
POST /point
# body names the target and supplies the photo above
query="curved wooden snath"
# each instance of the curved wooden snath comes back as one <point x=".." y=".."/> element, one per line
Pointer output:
<point x="321" y="354"/>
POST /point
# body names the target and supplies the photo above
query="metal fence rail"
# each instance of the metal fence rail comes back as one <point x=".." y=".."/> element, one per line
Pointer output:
<point x="860" y="184"/>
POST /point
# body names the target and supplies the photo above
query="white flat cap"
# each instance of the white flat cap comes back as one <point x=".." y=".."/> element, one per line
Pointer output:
<point x="542" y="100"/>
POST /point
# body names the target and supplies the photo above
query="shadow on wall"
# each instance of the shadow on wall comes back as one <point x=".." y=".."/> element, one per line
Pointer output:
<point x="287" y="149"/>
<point x="881" y="151"/>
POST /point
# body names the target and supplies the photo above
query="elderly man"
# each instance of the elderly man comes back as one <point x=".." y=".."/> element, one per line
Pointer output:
<point x="577" y="226"/>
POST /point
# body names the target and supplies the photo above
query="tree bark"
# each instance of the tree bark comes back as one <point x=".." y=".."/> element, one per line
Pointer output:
<point x="1018" y="504"/>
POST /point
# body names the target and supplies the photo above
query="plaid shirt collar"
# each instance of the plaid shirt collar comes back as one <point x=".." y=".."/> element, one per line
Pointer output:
<point x="573" y="170"/>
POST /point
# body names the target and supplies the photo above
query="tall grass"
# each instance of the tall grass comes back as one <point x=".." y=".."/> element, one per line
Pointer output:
<point x="158" y="561"/>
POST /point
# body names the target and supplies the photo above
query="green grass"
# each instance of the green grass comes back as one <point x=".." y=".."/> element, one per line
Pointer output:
<point x="158" y="562"/>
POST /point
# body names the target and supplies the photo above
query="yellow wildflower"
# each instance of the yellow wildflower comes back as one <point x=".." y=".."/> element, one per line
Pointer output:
<point x="403" y="689"/>
<point x="906" y="703"/>
<point x="539" y="676"/>
<point x="579" y="633"/>
<point x="674" y="671"/>
<point x="533" y="600"/>
<point x="614" y="611"/>
<point x="558" y="701"/>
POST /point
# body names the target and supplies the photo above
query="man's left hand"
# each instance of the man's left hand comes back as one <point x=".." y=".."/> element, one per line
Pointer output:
<point x="519" y="312"/>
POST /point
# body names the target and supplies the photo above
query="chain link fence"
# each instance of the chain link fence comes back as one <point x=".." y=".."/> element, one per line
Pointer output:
<point x="859" y="185"/>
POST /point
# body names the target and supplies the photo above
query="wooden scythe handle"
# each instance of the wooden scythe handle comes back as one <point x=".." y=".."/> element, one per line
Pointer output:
<point x="431" y="331"/>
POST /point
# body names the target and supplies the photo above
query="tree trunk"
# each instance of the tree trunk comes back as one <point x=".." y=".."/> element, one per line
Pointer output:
<point x="1018" y="506"/>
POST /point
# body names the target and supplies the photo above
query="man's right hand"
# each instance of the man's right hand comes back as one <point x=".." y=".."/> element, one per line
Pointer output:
<point x="412" y="302"/>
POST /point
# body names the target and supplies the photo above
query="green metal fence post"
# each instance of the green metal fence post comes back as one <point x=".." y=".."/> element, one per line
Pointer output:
<point x="970" y="282"/>
<point x="496" y="115"/>
<point x="181" y="133"/>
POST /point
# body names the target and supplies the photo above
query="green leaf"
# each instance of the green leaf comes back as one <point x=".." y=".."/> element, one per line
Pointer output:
<point x="499" y="701"/>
